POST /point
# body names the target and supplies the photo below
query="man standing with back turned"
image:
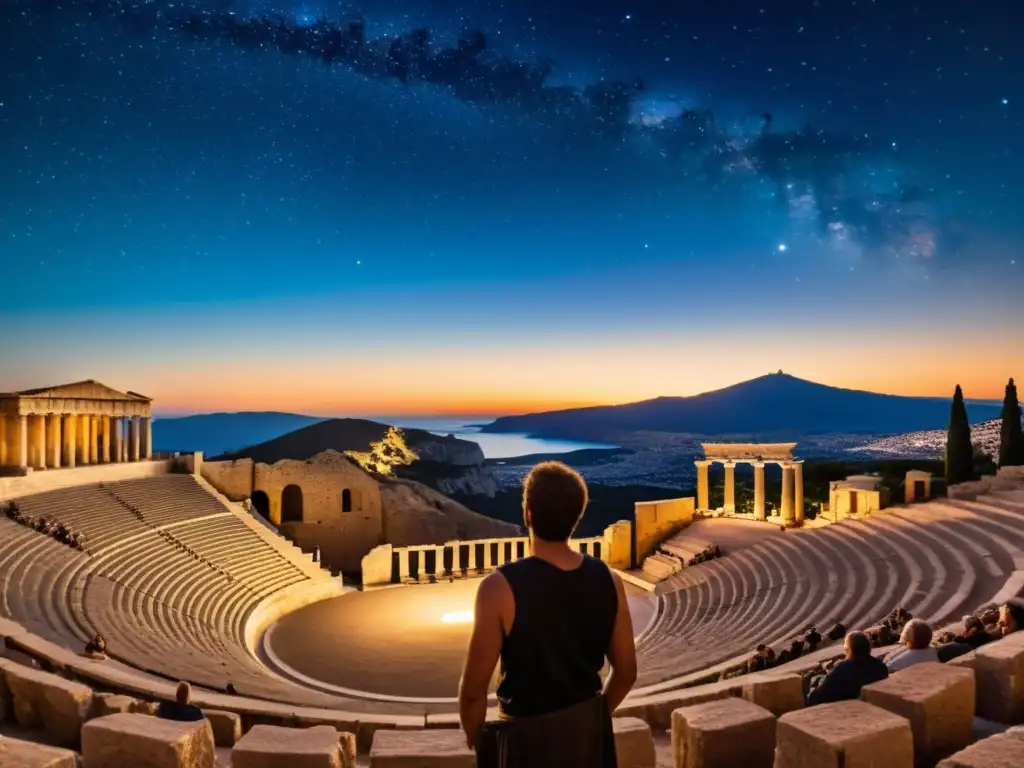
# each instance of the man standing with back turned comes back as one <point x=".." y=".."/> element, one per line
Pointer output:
<point x="552" y="619"/>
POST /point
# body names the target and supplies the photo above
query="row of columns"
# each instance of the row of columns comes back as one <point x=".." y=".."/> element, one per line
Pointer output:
<point x="54" y="440"/>
<point x="792" y="489"/>
<point x="505" y="551"/>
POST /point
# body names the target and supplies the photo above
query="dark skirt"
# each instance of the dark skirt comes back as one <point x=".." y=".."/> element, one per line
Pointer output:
<point x="579" y="736"/>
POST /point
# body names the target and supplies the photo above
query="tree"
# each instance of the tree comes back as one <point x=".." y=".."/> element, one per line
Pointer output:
<point x="1011" y="438"/>
<point x="959" y="451"/>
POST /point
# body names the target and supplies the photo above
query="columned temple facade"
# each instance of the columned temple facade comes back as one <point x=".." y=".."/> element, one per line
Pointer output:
<point x="73" y="425"/>
<point x="757" y="455"/>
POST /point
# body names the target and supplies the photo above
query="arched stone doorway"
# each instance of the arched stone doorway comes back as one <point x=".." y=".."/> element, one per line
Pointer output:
<point x="346" y="500"/>
<point x="261" y="503"/>
<point x="291" y="504"/>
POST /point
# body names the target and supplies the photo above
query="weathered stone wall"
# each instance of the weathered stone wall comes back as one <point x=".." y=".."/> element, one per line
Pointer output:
<point x="655" y="521"/>
<point x="232" y="478"/>
<point x="343" y="536"/>
<point x="618" y="539"/>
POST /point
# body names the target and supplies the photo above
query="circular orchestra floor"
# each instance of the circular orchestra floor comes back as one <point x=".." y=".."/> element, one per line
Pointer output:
<point x="401" y="642"/>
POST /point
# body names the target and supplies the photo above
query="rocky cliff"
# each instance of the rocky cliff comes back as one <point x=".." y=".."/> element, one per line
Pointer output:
<point x="417" y="514"/>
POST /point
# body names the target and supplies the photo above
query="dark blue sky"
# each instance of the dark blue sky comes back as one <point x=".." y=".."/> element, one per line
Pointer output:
<point x="302" y="215"/>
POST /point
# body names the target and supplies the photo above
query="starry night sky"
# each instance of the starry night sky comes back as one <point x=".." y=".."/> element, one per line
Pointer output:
<point x="412" y="207"/>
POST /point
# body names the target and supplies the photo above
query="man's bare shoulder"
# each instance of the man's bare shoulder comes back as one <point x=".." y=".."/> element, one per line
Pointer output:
<point x="494" y="586"/>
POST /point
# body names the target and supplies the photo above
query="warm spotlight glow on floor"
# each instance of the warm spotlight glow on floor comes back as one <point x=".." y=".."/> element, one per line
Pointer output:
<point x="457" y="617"/>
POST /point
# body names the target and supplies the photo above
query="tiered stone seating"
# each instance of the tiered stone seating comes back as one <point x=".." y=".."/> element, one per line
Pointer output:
<point x="169" y="587"/>
<point x="938" y="560"/>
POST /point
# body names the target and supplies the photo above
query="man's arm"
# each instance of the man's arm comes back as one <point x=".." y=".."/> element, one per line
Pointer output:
<point x="492" y="599"/>
<point x="621" y="652"/>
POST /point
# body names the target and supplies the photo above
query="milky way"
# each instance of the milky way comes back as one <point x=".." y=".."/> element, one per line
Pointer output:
<point x="851" y="191"/>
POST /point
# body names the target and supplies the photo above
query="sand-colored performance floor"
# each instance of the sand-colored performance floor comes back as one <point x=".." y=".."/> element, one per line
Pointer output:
<point x="402" y="642"/>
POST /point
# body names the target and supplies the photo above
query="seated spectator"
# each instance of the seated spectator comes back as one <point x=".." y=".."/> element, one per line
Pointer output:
<point x="973" y="636"/>
<point x="1011" y="618"/>
<point x="990" y="618"/>
<point x="916" y="640"/>
<point x="182" y="709"/>
<point x="845" y="679"/>
<point x="96" y="648"/>
<point x="974" y="633"/>
<point x="837" y="631"/>
<point x="812" y="639"/>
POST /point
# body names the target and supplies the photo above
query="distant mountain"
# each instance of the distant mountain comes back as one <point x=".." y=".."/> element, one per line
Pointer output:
<point x="774" y="404"/>
<point x="215" y="433"/>
<point x="450" y="465"/>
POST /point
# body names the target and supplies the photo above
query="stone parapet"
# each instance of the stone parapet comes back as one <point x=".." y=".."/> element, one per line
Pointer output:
<point x="844" y="734"/>
<point x="999" y="675"/>
<point x="937" y="699"/>
<point x="421" y="749"/>
<point x="118" y="741"/>
<point x="15" y="753"/>
<point x="634" y="745"/>
<point x="268" y="746"/>
<point x="43" y="699"/>
<point x="1004" y="750"/>
<point x="719" y="733"/>
<point x="778" y="694"/>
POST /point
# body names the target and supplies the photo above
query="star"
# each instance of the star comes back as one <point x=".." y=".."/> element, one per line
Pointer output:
<point x="782" y="247"/>
<point x="1005" y="102"/>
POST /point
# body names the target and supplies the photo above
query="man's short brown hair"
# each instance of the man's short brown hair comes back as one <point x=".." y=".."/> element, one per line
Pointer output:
<point x="556" y="496"/>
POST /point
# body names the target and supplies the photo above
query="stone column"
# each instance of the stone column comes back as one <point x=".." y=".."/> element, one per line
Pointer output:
<point x="403" y="564"/>
<point x="94" y="439"/>
<point x="471" y="566"/>
<point x="18" y="447"/>
<point x="70" y="439"/>
<point x="133" y="438"/>
<point x="758" y="490"/>
<point x="798" y="491"/>
<point x="788" y="518"/>
<point x="146" y="436"/>
<point x="702" y="484"/>
<point x="54" y="446"/>
<point x="729" y="494"/>
<point x="84" y="437"/>
<point x="37" y="441"/>
<point x="105" y="439"/>
<point x="3" y="439"/>
<point x="116" y="444"/>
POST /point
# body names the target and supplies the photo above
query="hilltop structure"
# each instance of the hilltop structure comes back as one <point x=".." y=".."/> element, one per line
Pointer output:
<point x="73" y="424"/>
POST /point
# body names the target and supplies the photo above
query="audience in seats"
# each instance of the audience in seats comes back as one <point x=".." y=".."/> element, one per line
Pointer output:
<point x="1011" y="618"/>
<point x="837" y="632"/>
<point x="551" y="620"/>
<point x="58" y="531"/>
<point x="182" y="708"/>
<point x="96" y="648"/>
<point x="916" y="641"/>
<point x="844" y="679"/>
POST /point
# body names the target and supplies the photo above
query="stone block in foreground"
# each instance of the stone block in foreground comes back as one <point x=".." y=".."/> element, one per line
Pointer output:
<point x="846" y="733"/>
<point x="58" y="704"/>
<point x="778" y="694"/>
<point x="272" y="746"/>
<point x="227" y="727"/>
<point x="441" y="748"/>
<point x="937" y="699"/>
<point x="730" y="732"/>
<point x="1004" y="750"/>
<point x="634" y="745"/>
<point x="999" y="674"/>
<point x="124" y="740"/>
<point x="26" y="754"/>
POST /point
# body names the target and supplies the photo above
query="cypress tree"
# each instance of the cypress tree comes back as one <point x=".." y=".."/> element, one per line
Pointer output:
<point x="1011" y="438"/>
<point x="959" y="451"/>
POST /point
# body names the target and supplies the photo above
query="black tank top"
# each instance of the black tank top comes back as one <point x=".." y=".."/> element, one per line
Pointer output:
<point x="552" y="657"/>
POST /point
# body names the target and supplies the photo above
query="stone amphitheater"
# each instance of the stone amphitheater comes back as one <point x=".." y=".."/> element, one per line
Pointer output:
<point x="184" y="584"/>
